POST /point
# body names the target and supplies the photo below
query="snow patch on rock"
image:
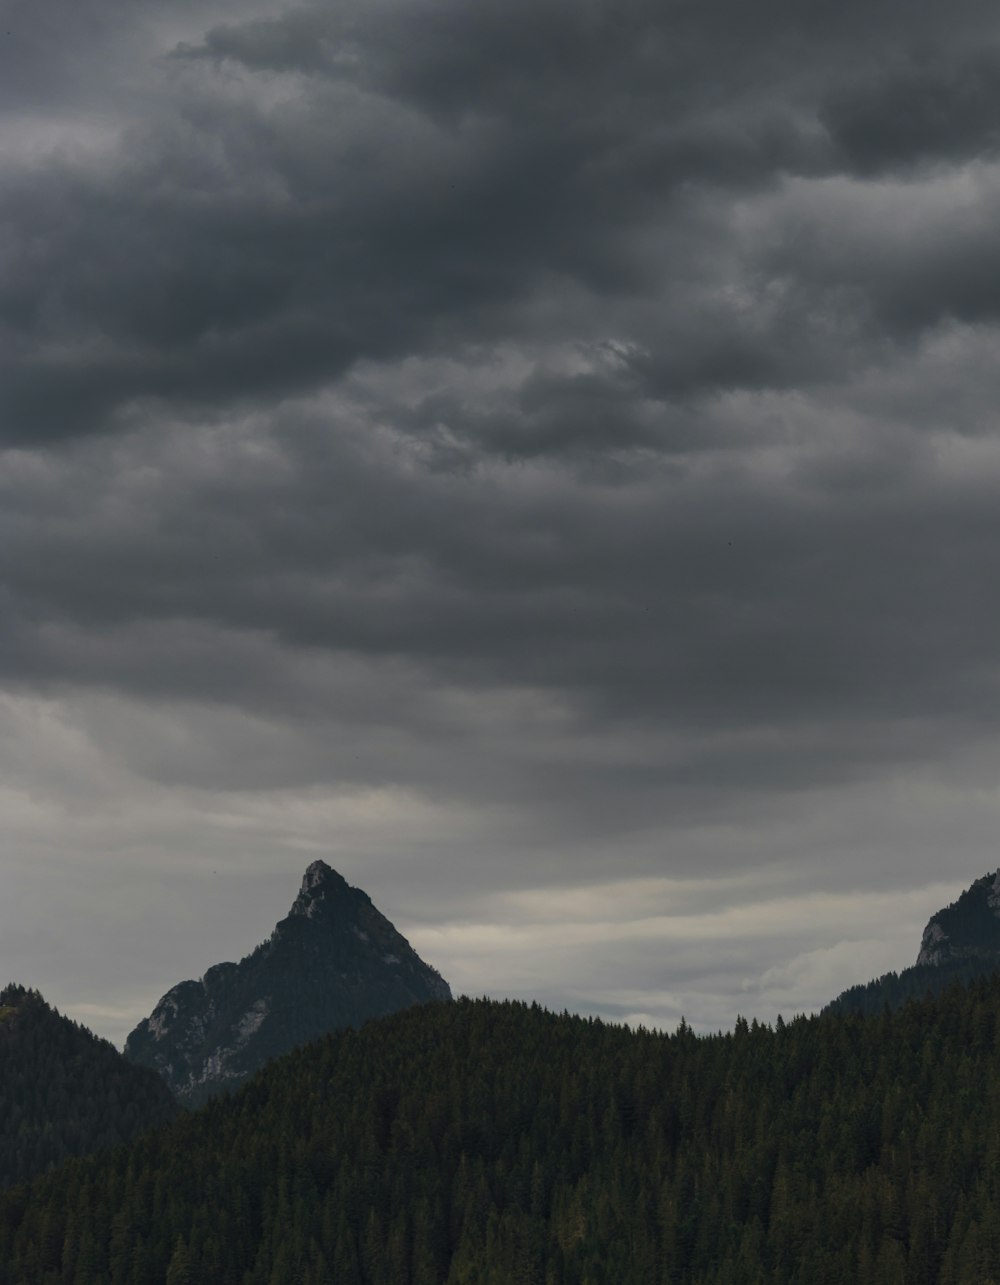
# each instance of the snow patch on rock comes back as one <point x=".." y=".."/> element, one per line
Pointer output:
<point x="251" y="1021"/>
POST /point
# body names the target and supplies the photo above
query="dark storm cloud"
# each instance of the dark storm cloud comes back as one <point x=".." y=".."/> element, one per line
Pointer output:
<point x="89" y="56"/>
<point x="57" y="53"/>
<point x="579" y="415"/>
<point x="426" y="178"/>
<point x="929" y="110"/>
<point x="815" y="619"/>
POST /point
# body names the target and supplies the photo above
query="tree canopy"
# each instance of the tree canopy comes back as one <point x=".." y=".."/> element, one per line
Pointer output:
<point x="494" y="1143"/>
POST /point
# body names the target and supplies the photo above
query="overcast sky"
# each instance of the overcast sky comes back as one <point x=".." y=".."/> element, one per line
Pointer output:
<point x="540" y="456"/>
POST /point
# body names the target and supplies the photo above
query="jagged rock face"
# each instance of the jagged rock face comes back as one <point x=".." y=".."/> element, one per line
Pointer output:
<point x="334" y="961"/>
<point x="967" y="929"/>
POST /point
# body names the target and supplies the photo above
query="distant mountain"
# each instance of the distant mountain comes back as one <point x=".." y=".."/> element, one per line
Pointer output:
<point x="968" y="929"/>
<point x="63" y="1091"/>
<point x="960" y="942"/>
<point x="333" y="962"/>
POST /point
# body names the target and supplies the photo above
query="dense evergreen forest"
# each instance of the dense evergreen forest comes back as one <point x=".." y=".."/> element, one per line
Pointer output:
<point x="63" y="1091"/>
<point x="483" y="1143"/>
<point x="918" y="982"/>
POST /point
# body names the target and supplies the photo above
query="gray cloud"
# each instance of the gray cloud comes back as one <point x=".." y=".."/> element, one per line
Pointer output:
<point x="508" y="450"/>
<point x="422" y="177"/>
<point x="931" y="109"/>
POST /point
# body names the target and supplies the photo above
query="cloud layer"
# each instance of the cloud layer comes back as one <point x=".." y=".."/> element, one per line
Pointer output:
<point x="513" y="449"/>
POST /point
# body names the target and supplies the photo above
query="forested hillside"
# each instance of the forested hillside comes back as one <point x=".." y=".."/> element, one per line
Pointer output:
<point x="498" y="1144"/>
<point x="63" y="1091"/>
<point x="919" y="982"/>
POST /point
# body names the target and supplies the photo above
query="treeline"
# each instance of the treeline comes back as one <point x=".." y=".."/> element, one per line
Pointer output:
<point x="919" y="982"/>
<point x="485" y="1143"/>
<point x="63" y="1091"/>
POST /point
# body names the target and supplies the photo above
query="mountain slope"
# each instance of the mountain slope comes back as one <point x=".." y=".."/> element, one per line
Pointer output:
<point x="961" y="942"/>
<point x="498" y="1144"/>
<point x="334" y="961"/>
<point x="967" y="929"/>
<point x="63" y="1091"/>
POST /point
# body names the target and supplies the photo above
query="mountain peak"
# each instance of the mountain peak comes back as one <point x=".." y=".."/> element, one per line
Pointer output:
<point x="333" y="961"/>
<point x="320" y="873"/>
<point x="319" y="883"/>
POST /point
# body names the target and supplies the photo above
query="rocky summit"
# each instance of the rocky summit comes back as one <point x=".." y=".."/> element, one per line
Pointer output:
<point x="334" y="961"/>
<point x="967" y="929"/>
<point x="960" y="943"/>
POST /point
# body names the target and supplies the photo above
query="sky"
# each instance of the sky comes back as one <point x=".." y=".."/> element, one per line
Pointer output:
<point x="540" y="456"/>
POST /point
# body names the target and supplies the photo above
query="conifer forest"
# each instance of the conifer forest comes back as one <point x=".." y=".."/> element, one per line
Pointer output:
<point x="494" y="1143"/>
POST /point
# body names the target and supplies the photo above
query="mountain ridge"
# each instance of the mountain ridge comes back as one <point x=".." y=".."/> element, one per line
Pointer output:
<point x="333" y="961"/>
